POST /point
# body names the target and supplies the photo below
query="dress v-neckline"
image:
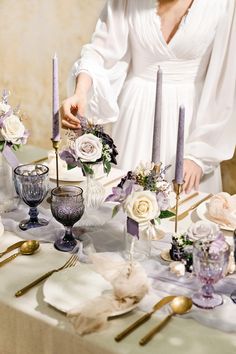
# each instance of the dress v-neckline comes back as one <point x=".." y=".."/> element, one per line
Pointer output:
<point x="183" y="19"/>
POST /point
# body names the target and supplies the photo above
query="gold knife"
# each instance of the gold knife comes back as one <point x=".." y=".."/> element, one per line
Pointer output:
<point x="185" y="200"/>
<point x="194" y="206"/>
<point x="144" y="318"/>
<point x="11" y="248"/>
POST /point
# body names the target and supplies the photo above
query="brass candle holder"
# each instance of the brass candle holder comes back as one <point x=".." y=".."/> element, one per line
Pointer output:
<point x="157" y="168"/>
<point x="178" y="188"/>
<point x="55" y="145"/>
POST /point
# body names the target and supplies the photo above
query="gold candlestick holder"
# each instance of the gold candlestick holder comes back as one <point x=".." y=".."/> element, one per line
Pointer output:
<point x="178" y="188"/>
<point x="157" y="168"/>
<point x="56" y="145"/>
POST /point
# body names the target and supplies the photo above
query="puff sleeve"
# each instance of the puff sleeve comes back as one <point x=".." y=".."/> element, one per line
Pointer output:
<point x="106" y="61"/>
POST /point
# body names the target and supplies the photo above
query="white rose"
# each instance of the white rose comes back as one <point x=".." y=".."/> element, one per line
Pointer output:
<point x="13" y="130"/>
<point x="4" y="108"/>
<point x="144" y="168"/>
<point x="88" y="148"/>
<point x="202" y="229"/>
<point x="142" y="206"/>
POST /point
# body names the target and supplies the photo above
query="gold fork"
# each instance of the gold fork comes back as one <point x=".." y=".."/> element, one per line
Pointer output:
<point x="72" y="261"/>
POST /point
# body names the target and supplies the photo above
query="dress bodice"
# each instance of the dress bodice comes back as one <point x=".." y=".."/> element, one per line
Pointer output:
<point x="187" y="51"/>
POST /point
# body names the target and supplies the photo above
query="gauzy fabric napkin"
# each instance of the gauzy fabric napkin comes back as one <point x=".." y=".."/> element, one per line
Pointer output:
<point x="129" y="285"/>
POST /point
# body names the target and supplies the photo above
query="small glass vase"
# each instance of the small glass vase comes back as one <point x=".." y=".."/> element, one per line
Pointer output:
<point x="9" y="200"/>
<point x="94" y="192"/>
<point x="138" y="249"/>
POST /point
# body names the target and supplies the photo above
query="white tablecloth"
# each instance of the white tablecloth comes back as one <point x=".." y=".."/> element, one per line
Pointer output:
<point x="30" y="326"/>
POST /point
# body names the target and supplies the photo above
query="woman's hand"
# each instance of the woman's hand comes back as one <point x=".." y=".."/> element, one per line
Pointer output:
<point x="71" y="107"/>
<point x="192" y="175"/>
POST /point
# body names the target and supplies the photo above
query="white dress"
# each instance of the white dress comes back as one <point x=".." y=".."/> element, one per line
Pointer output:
<point x="199" y="72"/>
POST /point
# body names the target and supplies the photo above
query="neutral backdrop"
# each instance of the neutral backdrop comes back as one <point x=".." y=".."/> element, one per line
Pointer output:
<point x="31" y="31"/>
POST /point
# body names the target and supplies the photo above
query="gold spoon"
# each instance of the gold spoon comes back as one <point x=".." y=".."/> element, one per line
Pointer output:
<point x="179" y="305"/>
<point x="27" y="248"/>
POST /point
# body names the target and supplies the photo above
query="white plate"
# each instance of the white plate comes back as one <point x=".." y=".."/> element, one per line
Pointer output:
<point x="203" y="215"/>
<point x="73" y="175"/>
<point x="73" y="287"/>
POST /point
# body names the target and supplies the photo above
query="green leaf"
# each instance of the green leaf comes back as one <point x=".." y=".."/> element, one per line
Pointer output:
<point x="70" y="167"/>
<point x="2" y="143"/>
<point x="106" y="166"/>
<point x="87" y="169"/>
<point x="166" y="214"/>
<point x="16" y="147"/>
<point x="115" y="210"/>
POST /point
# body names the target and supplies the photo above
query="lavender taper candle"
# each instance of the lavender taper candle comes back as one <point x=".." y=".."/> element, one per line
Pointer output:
<point x="156" y="145"/>
<point x="55" y="103"/>
<point x="180" y="148"/>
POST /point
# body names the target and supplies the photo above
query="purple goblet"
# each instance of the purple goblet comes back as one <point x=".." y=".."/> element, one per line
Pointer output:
<point x="67" y="206"/>
<point x="31" y="184"/>
<point x="209" y="262"/>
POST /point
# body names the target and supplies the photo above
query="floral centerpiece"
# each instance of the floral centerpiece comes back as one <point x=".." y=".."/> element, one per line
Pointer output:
<point x="13" y="134"/>
<point x="89" y="146"/>
<point x="181" y="251"/>
<point x="86" y="148"/>
<point x="144" y="196"/>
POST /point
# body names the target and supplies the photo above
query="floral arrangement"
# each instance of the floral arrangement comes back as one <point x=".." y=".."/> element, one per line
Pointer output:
<point x="89" y="146"/>
<point x="13" y="133"/>
<point x="182" y="244"/>
<point x="144" y="195"/>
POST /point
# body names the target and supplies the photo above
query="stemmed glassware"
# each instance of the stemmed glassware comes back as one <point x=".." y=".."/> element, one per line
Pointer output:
<point x="210" y="260"/>
<point x="67" y="206"/>
<point x="31" y="184"/>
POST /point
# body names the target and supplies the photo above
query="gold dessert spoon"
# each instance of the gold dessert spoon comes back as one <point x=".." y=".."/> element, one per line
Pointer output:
<point x="179" y="305"/>
<point x="27" y="248"/>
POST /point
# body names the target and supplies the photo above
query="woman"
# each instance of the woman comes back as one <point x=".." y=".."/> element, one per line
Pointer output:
<point x="194" y="43"/>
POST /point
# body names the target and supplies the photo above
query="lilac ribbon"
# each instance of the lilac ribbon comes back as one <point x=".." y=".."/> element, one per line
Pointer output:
<point x="10" y="156"/>
<point x="133" y="227"/>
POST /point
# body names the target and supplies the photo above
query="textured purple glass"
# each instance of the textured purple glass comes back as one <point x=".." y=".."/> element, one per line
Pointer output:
<point x="67" y="206"/>
<point x="209" y="267"/>
<point x="31" y="184"/>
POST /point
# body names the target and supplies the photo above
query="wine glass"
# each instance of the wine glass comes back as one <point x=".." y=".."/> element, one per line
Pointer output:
<point x="31" y="184"/>
<point x="67" y="206"/>
<point x="210" y="264"/>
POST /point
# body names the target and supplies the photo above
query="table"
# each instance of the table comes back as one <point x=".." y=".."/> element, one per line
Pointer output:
<point x="30" y="326"/>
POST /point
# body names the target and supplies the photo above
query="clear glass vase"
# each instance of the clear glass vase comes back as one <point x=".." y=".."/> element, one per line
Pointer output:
<point x="94" y="195"/>
<point x="138" y="249"/>
<point x="94" y="192"/>
<point x="9" y="199"/>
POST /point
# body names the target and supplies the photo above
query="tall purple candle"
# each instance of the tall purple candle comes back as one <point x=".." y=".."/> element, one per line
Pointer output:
<point x="180" y="148"/>
<point x="156" y="145"/>
<point x="55" y="103"/>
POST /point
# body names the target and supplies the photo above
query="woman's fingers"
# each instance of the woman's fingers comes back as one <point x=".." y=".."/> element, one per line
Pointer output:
<point x="192" y="176"/>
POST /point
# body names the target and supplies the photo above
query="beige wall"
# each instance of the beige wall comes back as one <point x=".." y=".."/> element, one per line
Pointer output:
<point x="31" y="31"/>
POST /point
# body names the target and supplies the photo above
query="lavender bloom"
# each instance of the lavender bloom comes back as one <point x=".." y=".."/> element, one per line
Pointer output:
<point x="67" y="156"/>
<point x="120" y="194"/>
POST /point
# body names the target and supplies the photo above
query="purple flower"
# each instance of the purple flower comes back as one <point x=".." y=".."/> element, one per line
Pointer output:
<point x="66" y="155"/>
<point x="120" y="194"/>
